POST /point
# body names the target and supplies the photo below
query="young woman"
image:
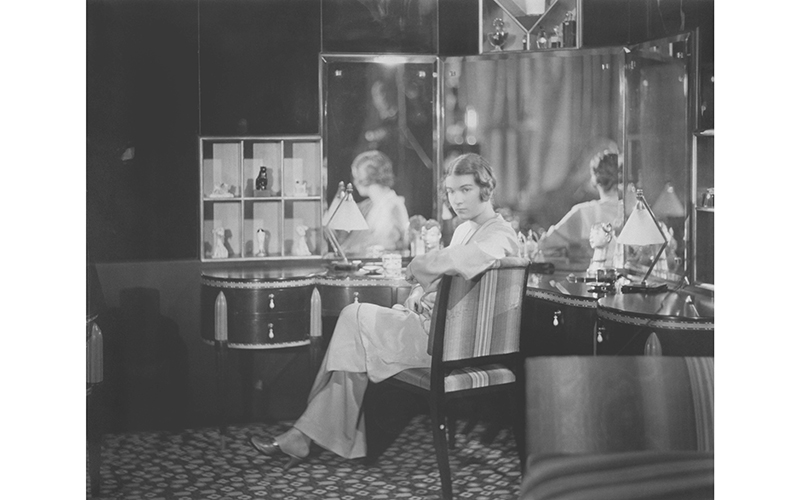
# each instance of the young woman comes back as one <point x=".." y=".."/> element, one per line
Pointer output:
<point x="371" y="342"/>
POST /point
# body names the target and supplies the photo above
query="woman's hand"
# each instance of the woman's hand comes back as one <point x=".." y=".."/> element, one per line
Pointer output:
<point x="414" y="300"/>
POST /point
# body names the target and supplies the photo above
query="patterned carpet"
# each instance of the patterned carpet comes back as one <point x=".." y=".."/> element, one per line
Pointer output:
<point x="190" y="465"/>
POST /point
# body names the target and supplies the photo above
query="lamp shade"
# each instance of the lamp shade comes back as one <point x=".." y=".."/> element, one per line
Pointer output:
<point x="668" y="204"/>
<point x="641" y="228"/>
<point x="347" y="216"/>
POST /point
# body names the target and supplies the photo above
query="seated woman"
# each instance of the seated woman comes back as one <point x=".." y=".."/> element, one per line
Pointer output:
<point x="572" y="231"/>
<point x="384" y="211"/>
<point x="371" y="342"/>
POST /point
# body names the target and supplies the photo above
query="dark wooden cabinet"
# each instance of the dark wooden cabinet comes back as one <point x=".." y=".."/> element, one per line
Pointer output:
<point x="666" y="324"/>
<point x="557" y="322"/>
<point x="557" y="326"/>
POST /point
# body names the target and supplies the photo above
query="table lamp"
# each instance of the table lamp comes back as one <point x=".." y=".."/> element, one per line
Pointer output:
<point x="642" y="229"/>
<point x="345" y="217"/>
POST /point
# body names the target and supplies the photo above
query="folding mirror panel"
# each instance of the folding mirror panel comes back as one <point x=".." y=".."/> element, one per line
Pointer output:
<point x="386" y="104"/>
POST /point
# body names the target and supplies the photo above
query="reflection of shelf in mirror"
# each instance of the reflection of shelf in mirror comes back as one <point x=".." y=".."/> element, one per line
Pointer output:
<point x="706" y="209"/>
<point x="263" y="198"/>
<point x="705" y="133"/>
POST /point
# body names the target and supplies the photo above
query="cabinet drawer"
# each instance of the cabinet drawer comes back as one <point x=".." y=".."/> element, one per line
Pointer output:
<point x="256" y="329"/>
<point x="267" y="300"/>
<point x="553" y="329"/>
<point x="335" y="298"/>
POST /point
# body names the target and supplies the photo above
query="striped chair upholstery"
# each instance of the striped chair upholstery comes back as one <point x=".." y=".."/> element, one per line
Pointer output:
<point x="619" y="427"/>
<point x="474" y="346"/>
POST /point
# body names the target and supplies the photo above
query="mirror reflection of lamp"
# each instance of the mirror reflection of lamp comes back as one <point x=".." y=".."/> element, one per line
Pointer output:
<point x="642" y="229"/>
<point x="346" y="216"/>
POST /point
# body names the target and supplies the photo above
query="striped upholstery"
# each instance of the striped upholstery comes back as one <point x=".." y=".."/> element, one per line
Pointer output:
<point x="584" y="404"/>
<point x="675" y="475"/>
<point x="701" y="378"/>
<point x="483" y="316"/>
<point x="461" y="378"/>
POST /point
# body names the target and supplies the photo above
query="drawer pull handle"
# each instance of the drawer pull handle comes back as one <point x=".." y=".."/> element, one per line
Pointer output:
<point x="272" y="301"/>
<point x="600" y="330"/>
<point x="355" y="298"/>
<point x="557" y="319"/>
<point x="271" y="333"/>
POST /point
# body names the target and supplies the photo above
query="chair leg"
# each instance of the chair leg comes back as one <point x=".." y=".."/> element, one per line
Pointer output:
<point x="515" y="400"/>
<point x="451" y="431"/>
<point x="440" y="443"/>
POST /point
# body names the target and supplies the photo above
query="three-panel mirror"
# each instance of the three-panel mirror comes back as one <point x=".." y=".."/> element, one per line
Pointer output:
<point x="570" y="134"/>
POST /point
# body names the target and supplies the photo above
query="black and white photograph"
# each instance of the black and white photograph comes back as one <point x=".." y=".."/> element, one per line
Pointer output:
<point x="402" y="249"/>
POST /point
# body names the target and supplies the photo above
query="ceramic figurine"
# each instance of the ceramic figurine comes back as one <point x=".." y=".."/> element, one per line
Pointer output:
<point x="222" y="190"/>
<point x="300" y="188"/>
<point x="261" y="180"/>
<point x="299" y="245"/>
<point x="432" y="235"/>
<point x="220" y="252"/>
<point x="600" y="236"/>
<point x="261" y="238"/>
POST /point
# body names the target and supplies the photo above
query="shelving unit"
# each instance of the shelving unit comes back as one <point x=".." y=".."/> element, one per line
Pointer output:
<point x="233" y="211"/>
<point x="703" y="216"/>
<point x="523" y="27"/>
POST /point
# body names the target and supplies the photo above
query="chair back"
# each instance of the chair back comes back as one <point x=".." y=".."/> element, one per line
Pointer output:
<point x="482" y="316"/>
<point x="584" y="404"/>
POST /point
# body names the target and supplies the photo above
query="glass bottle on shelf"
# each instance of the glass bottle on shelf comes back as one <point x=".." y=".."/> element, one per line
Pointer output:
<point x="568" y="30"/>
<point x="541" y="39"/>
<point x="555" y="38"/>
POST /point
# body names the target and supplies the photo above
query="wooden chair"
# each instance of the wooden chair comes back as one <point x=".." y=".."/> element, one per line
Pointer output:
<point x="474" y="345"/>
<point x="619" y="427"/>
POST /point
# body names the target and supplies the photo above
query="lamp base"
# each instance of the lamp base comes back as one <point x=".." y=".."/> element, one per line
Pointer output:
<point x="341" y="265"/>
<point x="644" y="288"/>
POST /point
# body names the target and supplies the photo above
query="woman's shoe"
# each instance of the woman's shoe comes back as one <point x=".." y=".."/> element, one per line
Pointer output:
<point x="271" y="448"/>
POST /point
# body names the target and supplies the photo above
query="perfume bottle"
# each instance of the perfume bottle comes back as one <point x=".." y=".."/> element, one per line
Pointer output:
<point x="555" y="38"/>
<point x="568" y="30"/>
<point x="499" y="37"/>
<point x="261" y="180"/>
<point x="541" y="39"/>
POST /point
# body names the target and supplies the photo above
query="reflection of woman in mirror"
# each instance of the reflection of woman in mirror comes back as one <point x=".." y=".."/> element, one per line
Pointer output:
<point x="372" y="343"/>
<point x="383" y="209"/>
<point x="572" y="231"/>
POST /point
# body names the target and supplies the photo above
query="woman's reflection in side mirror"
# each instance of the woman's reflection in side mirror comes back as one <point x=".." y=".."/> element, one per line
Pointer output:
<point x="571" y="234"/>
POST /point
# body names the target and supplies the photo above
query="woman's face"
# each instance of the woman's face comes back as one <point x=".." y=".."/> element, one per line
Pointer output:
<point x="464" y="195"/>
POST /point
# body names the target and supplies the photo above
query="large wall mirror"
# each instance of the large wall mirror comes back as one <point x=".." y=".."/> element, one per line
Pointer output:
<point x="540" y="118"/>
<point x="379" y="126"/>
<point x="658" y="153"/>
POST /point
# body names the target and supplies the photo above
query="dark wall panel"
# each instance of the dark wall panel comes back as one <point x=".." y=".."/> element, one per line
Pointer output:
<point x="258" y="67"/>
<point x="141" y="92"/>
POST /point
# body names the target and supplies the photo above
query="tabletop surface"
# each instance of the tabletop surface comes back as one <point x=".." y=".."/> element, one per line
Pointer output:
<point x="671" y="304"/>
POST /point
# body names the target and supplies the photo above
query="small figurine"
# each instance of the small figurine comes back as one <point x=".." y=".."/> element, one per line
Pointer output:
<point x="299" y="245"/>
<point x="261" y="180"/>
<point x="221" y="190"/>
<point x="300" y="188"/>
<point x="415" y="225"/>
<point x="261" y="238"/>
<point x="220" y="252"/>
<point x="600" y="236"/>
<point x="432" y="235"/>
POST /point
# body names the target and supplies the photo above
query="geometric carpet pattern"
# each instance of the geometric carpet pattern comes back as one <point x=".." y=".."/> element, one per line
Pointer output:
<point x="191" y="465"/>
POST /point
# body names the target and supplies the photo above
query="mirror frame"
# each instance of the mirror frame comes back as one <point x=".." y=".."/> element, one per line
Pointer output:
<point x="435" y="113"/>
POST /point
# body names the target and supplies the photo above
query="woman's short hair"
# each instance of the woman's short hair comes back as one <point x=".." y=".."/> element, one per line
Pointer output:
<point x="478" y="167"/>
<point x="605" y="167"/>
<point x="375" y="167"/>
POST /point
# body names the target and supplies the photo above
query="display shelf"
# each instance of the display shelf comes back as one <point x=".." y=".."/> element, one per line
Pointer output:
<point x="523" y="22"/>
<point x="243" y="219"/>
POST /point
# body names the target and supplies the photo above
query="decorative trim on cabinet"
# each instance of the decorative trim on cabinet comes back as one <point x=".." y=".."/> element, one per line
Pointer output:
<point x="671" y="324"/>
<point x="588" y="303"/>
<point x="257" y="285"/>
<point x="281" y="345"/>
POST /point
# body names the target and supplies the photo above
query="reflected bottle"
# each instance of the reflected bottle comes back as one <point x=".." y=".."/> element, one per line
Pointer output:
<point x="568" y="30"/>
<point x="541" y="39"/>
